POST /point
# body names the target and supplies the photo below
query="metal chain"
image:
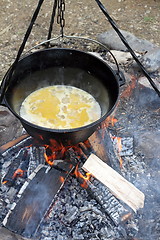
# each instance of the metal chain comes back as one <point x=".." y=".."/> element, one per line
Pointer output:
<point x="60" y="16"/>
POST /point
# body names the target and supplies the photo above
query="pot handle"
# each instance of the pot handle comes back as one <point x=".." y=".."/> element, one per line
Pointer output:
<point x="121" y="77"/>
<point x="3" y="88"/>
<point x="5" y="83"/>
<point x="119" y="74"/>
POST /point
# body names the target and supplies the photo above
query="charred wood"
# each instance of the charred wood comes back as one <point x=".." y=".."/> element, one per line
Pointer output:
<point x="35" y="198"/>
<point x="19" y="162"/>
<point x="117" y="184"/>
<point x="6" y="234"/>
<point x="116" y="211"/>
<point x="14" y="143"/>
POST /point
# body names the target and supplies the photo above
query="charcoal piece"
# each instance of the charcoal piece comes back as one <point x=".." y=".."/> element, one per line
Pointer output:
<point x="36" y="199"/>
<point x="36" y="157"/>
<point x="37" y="153"/>
<point x="71" y="214"/>
<point x="110" y="151"/>
<point x="127" y="146"/>
<point x="20" y="162"/>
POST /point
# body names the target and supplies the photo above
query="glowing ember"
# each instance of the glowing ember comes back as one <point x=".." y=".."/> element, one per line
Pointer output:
<point x="61" y="179"/>
<point x="129" y="89"/>
<point x="110" y="121"/>
<point x="4" y="182"/>
<point x="18" y="173"/>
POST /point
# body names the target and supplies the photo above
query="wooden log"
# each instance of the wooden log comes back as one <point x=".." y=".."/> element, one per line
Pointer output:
<point x="13" y="143"/>
<point x="102" y="146"/>
<point x="19" y="162"/>
<point x="117" y="184"/>
<point x="108" y="202"/>
<point x="6" y="234"/>
<point x="35" y="198"/>
<point x="98" y="145"/>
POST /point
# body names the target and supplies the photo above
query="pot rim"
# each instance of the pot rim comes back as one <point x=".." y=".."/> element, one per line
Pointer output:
<point x="97" y="122"/>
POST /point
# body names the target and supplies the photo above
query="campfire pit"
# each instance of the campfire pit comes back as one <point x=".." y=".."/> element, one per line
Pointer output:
<point x="94" y="212"/>
<point x="43" y="197"/>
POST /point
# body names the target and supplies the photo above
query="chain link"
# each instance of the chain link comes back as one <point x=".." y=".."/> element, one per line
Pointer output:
<point x="60" y="15"/>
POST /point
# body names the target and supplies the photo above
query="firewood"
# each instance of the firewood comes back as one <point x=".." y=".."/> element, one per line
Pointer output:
<point x="35" y="198"/>
<point x="98" y="145"/>
<point x="6" y="234"/>
<point x="117" y="184"/>
<point x="108" y="202"/>
<point x="13" y="143"/>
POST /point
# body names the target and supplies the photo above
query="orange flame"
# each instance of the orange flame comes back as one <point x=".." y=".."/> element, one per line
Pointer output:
<point x="4" y="182"/>
<point x="61" y="179"/>
<point x="48" y="159"/>
<point x="57" y="151"/>
<point x="119" y="144"/>
<point x="121" y="162"/>
<point x="83" y="178"/>
<point x="18" y="173"/>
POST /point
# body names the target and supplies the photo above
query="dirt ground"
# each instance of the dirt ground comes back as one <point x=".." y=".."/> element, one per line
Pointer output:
<point x="82" y="17"/>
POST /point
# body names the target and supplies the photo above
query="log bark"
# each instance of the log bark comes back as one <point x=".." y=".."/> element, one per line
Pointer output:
<point x="117" y="184"/>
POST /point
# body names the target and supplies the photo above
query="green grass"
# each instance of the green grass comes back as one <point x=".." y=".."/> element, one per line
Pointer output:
<point x="149" y="19"/>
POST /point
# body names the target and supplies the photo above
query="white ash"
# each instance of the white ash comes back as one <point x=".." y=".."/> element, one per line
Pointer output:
<point x="75" y="215"/>
<point x="36" y="158"/>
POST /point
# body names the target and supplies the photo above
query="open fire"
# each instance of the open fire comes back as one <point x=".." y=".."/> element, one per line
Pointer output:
<point x="28" y="214"/>
<point x="45" y="193"/>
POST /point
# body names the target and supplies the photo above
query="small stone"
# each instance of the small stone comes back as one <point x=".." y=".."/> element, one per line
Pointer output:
<point x="47" y="238"/>
<point x="144" y="81"/>
<point x="113" y="41"/>
<point x="71" y="214"/>
<point x="151" y="60"/>
<point x="121" y="56"/>
<point x="60" y="237"/>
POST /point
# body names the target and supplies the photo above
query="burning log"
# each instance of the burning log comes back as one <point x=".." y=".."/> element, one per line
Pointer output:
<point x="18" y="168"/>
<point x="35" y="198"/>
<point x="98" y="145"/>
<point x="102" y="146"/>
<point x="108" y="202"/>
<point x="117" y="212"/>
<point x="118" y="185"/>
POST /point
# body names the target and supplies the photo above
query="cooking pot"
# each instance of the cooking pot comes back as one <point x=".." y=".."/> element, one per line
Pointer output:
<point x="61" y="67"/>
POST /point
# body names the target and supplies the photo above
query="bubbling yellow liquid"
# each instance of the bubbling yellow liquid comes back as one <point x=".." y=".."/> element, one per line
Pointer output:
<point x="60" y="107"/>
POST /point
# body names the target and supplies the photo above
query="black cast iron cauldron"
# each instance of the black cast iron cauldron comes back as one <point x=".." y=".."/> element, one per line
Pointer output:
<point x="68" y="67"/>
